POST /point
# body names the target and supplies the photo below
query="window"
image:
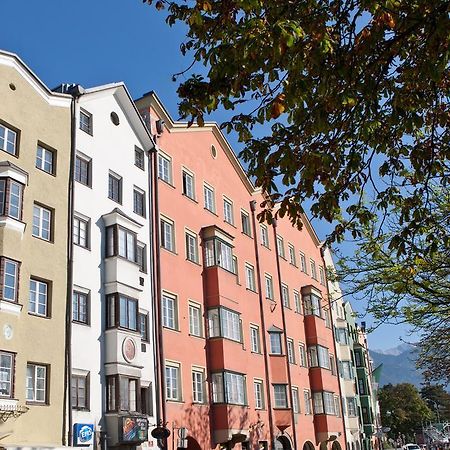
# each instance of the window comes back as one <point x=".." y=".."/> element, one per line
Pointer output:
<point x="146" y="400"/>
<point x="128" y="393"/>
<point x="80" y="307"/>
<point x="324" y="403"/>
<point x="362" y="387"/>
<point x="259" y="394"/>
<point x="229" y="387"/>
<point x="245" y="220"/>
<point x="115" y="187"/>
<point x="80" y="384"/>
<point x="313" y="305"/>
<point x="44" y="159"/>
<point x="303" y="263"/>
<point x="195" y="320"/>
<point x="11" y="193"/>
<point x="111" y="393"/>
<point x="165" y="168"/>
<point x="280" y="396"/>
<point x="42" y="219"/>
<point x="143" y="326"/>
<point x="188" y="185"/>
<point x="290" y="351"/>
<point x="167" y="235"/>
<point x="313" y="269"/>
<point x="302" y="355"/>
<point x="86" y="121"/>
<point x="285" y="296"/>
<point x="365" y="414"/>
<point x="38" y="301"/>
<point x="326" y="313"/>
<point x="191" y="247"/>
<point x="139" y="201"/>
<point x="264" y="235"/>
<point x="219" y="253"/>
<point x="292" y="259"/>
<point x="346" y="370"/>
<point x="81" y="232"/>
<point x="307" y="400"/>
<point x="121" y="242"/>
<point x="297" y="302"/>
<point x="122" y="312"/>
<point x="170" y="311"/>
<point x="295" y="400"/>
<point x="236" y="268"/>
<point x="275" y="343"/>
<point x="141" y="256"/>
<point x="83" y="170"/>
<point x="8" y="140"/>
<point x="322" y="275"/>
<point x="255" y="345"/>
<point x="319" y="357"/>
<point x="318" y="403"/>
<point x="332" y="365"/>
<point x="341" y="335"/>
<point x="269" y="287"/>
<point x="352" y="409"/>
<point x="6" y="374"/>
<point x="223" y="322"/>
<point x="228" y="211"/>
<point x="173" y="382"/>
<point x="280" y="247"/>
<point x="250" y="277"/>
<point x="208" y="194"/>
<point x="36" y="383"/>
<point x="337" y="406"/>
<point x="139" y="160"/>
<point x="198" y="386"/>
<point x="10" y="279"/>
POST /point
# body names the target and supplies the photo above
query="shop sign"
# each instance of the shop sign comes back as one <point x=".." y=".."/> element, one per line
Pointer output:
<point x="134" y="429"/>
<point x="83" y="434"/>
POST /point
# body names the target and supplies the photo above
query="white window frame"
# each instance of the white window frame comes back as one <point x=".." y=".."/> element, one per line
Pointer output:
<point x="172" y="372"/>
<point x="38" y="213"/>
<point x="191" y="243"/>
<point x="280" y="246"/>
<point x="169" y="310"/>
<point x="295" y="400"/>
<point x="258" y="388"/>
<point x="291" y="251"/>
<point x="255" y="341"/>
<point x="38" y="298"/>
<point x="167" y="227"/>
<point x="209" y="198"/>
<point x="290" y="351"/>
<point x="229" y="387"/>
<point x="78" y="238"/>
<point x="245" y="219"/>
<point x="8" y="133"/>
<point x="165" y="168"/>
<point x="264" y="232"/>
<point x="250" y="277"/>
<point x="298" y="302"/>
<point x="225" y="323"/>
<point x="307" y="401"/>
<point x="303" y="359"/>
<point x="188" y="187"/>
<point x="42" y="160"/>
<point x="280" y="396"/>
<point x="303" y="266"/>
<point x="195" y="319"/>
<point x="34" y="383"/>
<point x="228" y="214"/>
<point x="313" y="269"/>
<point x="268" y="282"/>
<point x="322" y="275"/>
<point x="198" y="385"/>
<point x="10" y="281"/>
<point x="285" y="295"/>
<point x="276" y="347"/>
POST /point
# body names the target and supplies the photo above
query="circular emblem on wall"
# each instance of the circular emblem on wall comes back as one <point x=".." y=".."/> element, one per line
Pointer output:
<point x="129" y="349"/>
<point x="8" y="331"/>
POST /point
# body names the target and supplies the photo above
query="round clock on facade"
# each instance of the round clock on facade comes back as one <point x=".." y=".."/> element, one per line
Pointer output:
<point x="129" y="349"/>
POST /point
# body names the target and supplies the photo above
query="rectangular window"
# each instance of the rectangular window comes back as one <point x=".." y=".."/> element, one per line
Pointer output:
<point x="173" y="382"/>
<point x="219" y="253"/>
<point x="11" y="194"/>
<point x="229" y="388"/>
<point x="307" y="400"/>
<point x="38" y="301"/>
<point x="319" y="356"/>
<point x="125" y="245"/>
<point x="295" y="400"/>
<point x="290" y="351"/>
<point x="223" y="322"/>
<point x="128" y="393"/>
<point x="292" y="258"/>
<point x="42" y="222"/>
<point x="8" y="140"/>
<point x="167" y="235"/>
<point x="139" y="201"/>
<point x="362" y="387"/>
<point x="359" y="361"/>
<point x="303" y="263"/>
<point x="275" y="343"/>
<point x="195" y="320"/>
<point x="86" y="121"/>
<point x="280" y="396"/>
<point x="259" y="394"/>
<point x="80" y="307"/>
<point x="44" y="159"/>
<point x="208" y="194"/>
<point x="170" y="311"/>
<point x="313" y="305"/>
<point x="327" y="315"/>
<point x="81" y="232"/>
<point x="302" y="355"/>
<point x="141" y="256"/>
<point x="332" y="365"/>
<point x="83" y="170"/>
<point x="228" y="211"/>
<point x="111" y="393"/>
<point x="139" y="159"/>
<point x="255" y="345"/>
<point x="6" y="374"/>
<point x="318" y="403"/>
<point x="269" y="287"/>
<point x="143" y="326"/>
<point x="122" y="312"/>
<point x="165" y="168"/>
<point x="250" y="277"/>
<point x="313" y="269"/>
<point x="264" y="235"/>
<point x="245" y="220"/>
<point x="115" y="187"/>
<point x="280" y="247"/>
<point x="191" y="247"/>
<point x="297" y="302"/>
<point x="341" y="335"/>
<point x="330" y="405"/>
<point x="352" y="409"/>
<point x="36" y="383"/>
<point x="285" y="296"/>
<point x="322" y="275"/>
<point x="188" y="185"/>
<point x="10" y="279"/>
<point x="198" y="386"/>
<point x="365" y="414"/>
<point x="80" y="388"/>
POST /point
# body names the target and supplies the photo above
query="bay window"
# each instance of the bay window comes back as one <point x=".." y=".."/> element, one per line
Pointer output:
<point x="313" y="305"/>
<point x="122" y="311"/>
<point x="223" y="322"/>
<point x="219" y="253"/>
<point x="229" y="387"/>
<point x="121" y="242"/>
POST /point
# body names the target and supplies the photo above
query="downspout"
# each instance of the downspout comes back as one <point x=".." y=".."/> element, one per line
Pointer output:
<point x="283" y="318"/>
<point x="263" y="326"/>
<point x="334" y="344"/>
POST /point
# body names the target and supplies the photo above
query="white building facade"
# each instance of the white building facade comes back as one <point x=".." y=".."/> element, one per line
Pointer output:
<point x="112" y="363"/>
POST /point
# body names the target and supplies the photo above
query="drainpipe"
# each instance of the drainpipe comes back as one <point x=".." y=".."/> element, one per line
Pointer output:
<point x="283" y="318"/>
<point x="334" y="344"/>
<point x="263" y="325"/>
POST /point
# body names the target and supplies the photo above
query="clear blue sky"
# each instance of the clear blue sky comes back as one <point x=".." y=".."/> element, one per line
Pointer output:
<point x="94" y="42"/>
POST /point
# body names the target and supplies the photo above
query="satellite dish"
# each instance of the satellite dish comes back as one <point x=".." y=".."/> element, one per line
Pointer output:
<point x="160" y="433"/>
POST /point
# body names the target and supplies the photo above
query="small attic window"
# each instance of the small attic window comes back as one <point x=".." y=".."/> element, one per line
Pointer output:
<point x="213" y="151"/>
<point x="115" y="118"/>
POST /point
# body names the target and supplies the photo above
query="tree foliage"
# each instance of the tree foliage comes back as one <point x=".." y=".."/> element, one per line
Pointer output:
<point x="334" y="101"/>
<point x="438" y="400"/>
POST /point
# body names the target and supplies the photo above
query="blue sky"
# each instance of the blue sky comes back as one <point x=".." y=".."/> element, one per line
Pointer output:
<point x="93" y="42"/>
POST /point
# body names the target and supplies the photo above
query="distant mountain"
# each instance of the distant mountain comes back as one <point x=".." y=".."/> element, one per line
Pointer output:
<point x="398" y="365"/>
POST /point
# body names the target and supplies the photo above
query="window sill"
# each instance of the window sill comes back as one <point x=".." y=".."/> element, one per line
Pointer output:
<point x="33" y="403"/>
<point x="197" y="336"/>
<point x="231" y="224"/>
<point x="189" y="198"/>
<point x="84" y="324"/>
<point x="50" y="241"/>
<point x="167" y="183"/>
<point x="211" y="212"/>
<point x="171" y="400"/>
<point x="266" y="247"/>
<point x="10" y="307"/>
<point x="171" y="329"/>
<point x="40" y="316"/>
<point x="194" y="262"/>
<point x="246" y="234"/>
<point x="168" y="250"/>
<point x="85" y="247"/>
<point x="89" y="185"/>
<point x="251" y="290"/>
<point x="277" y="354"/>
<point x="13" y="224"/>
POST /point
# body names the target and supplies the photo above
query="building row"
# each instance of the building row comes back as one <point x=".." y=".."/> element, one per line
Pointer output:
<point x="143" y="304"/>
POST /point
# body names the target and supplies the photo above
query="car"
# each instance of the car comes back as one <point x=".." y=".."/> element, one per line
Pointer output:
<point x="411" y="447"/>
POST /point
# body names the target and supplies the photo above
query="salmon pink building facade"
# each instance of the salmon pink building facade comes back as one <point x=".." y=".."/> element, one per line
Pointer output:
<point x="245" y="336"/>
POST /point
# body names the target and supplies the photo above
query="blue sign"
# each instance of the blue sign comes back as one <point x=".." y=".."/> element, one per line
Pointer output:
<point x="83" y="434"/>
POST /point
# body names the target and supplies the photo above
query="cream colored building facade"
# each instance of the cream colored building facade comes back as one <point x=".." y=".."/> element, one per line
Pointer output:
<point x="35" y="149"/>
